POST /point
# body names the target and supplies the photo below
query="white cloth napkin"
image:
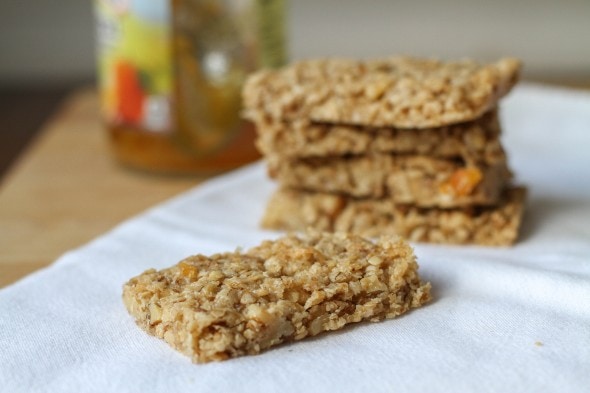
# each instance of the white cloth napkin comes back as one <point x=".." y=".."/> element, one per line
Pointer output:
<point x="514" y="319"/>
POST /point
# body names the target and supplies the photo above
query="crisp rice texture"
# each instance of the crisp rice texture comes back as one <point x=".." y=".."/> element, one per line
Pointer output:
<point x="240" y="303"/>
<point x="290" y="209"/>
<point x="419" y="180"/>
<point x="474" y="141"/>
<point x="397" y="92"/>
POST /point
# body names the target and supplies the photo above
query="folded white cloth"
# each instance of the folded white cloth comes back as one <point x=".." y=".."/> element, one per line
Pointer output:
<point x="502" y="319"/>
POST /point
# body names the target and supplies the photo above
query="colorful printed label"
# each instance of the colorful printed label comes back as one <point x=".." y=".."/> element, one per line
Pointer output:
<point x="135" y="62"/>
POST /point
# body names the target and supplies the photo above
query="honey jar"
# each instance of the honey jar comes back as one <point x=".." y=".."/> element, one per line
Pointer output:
<point x="170" y="77"/>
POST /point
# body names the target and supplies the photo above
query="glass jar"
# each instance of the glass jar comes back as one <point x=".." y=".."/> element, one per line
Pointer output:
<point x="171" y="73"/>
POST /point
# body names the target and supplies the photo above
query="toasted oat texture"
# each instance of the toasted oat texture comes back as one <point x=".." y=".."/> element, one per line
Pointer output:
<point x="397" y="92"/>
<point x="233" y="304"/>
<point x="492" y="226"/>
<point x="419" y="180"/>
<point x="475" y="141"/>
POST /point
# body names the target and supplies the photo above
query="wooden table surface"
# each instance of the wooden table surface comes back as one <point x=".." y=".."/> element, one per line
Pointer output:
<point x="66" y="189"/>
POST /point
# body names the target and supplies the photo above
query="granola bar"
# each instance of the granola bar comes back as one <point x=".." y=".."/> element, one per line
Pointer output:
<point x="419" y="180"/>
<point x="240" y="303"/>
<point x="492" y="226"/>
<point x="396" y="92"/>
<point x="475" y="141"/>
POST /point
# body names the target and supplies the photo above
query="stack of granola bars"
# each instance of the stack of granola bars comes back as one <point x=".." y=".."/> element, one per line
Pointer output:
<point x="405" y="146"/>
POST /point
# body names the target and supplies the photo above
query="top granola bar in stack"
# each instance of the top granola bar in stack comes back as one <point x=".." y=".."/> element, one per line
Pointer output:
<point x="397" y="92"/>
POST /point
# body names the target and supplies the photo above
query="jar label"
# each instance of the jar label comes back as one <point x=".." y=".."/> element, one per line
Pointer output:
<point x="135" y="62"/>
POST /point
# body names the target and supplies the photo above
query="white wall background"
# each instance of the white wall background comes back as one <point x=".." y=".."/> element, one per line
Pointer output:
<point x="50" y="41"/>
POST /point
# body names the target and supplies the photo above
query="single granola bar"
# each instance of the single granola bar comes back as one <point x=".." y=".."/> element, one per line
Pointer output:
<point x="419" y="180"/>
<point x="233" y="304"/>
<point x="475" y="141"/>
<point x="492" y="226"/>
<point x="397" y="92"/>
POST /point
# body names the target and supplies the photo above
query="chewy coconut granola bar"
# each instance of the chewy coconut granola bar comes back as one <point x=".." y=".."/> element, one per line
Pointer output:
<point x="475" y="141"/>
<point x="419" y="180"/>
<point x="492" y="226"/>
<point x="240" y="303"/>
<point x="397" y="92"/>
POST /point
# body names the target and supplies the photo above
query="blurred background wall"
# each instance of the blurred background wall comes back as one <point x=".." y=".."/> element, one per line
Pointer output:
<point x="45" y="42"/>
